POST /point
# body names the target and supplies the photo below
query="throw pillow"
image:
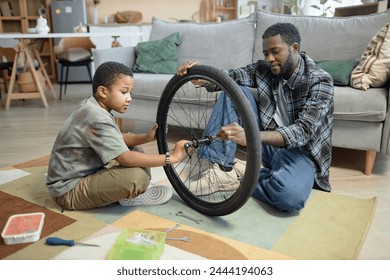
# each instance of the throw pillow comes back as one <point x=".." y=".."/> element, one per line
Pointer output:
<point x="374" y="67"/>
<point x="74" y="54"/>
<point x="339" y="70"/>
<point x="158" y="57"/>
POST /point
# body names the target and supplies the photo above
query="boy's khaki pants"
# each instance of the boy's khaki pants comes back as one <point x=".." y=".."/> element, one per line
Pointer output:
<point x="105" y="187"/>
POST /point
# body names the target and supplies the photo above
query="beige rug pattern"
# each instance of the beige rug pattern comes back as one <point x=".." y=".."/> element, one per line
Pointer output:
<point x="329" y="227"/>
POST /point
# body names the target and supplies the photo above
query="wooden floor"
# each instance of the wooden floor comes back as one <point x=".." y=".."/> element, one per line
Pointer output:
<point x="28" y="130"/>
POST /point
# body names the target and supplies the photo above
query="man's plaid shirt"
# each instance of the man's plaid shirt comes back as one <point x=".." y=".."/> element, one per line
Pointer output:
<point x="309" y="96"/>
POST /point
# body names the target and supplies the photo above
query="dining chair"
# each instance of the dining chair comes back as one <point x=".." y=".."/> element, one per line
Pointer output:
<point x="7" y="56"/>
<point x="73" y="52"/>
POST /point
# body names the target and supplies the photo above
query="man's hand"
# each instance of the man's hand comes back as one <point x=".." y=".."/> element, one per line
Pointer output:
<point x="182" y="70"/>
<point x="233" y="132"/>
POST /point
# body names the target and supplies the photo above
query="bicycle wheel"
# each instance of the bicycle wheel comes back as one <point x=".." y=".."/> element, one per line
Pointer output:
<point x="184" y="111"/>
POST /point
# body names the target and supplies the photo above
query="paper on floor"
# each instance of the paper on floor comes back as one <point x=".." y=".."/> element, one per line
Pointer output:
<point x="107" y="241"/>
<point x="12" y="174"/>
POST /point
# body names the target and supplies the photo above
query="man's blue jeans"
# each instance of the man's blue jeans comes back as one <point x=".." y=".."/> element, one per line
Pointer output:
<point x="287" y="177"/>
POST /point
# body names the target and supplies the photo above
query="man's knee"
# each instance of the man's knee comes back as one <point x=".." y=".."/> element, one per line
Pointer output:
<point x="283" y="196"/>
<point x="290" y="201"/>
<point x="281" y="201"/>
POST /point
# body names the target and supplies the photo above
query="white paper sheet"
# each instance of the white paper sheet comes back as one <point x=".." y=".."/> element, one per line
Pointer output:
<point x="12" y="174"/>
<point x="107" y="241"/>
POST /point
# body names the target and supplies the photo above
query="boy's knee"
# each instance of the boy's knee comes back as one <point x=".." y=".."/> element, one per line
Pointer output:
<point x="136" y="178"/>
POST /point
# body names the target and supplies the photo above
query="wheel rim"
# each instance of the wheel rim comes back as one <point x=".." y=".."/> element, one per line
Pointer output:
<point x="180" y="119"/>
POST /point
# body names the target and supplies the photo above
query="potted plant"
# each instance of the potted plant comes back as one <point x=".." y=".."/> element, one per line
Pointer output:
<point x="295" y="6"/>
<point x="324" y="8"/>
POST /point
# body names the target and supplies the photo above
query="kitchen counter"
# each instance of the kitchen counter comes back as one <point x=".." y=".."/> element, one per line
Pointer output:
<point x="128" y="34"/>
<point x="114" y="24"/>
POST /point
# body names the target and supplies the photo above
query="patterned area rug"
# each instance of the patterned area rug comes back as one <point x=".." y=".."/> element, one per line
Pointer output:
<point x="12" y="205"/>
<point x="329" y="227"/>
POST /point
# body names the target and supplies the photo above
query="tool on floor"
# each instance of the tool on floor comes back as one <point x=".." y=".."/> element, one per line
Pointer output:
<point x="172" y="228"/>
<point x="185" y="239"/>
<point x="180" y="213"/>
<point x="55" y="241"/>
<point x="145" y="238"/>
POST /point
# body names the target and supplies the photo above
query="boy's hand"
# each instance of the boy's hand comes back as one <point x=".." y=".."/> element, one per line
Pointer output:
<point x="179" y="152"/>
<point x="151" y="134"/>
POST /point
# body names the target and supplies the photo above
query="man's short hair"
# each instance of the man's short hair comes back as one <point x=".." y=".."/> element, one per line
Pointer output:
<point x="108" y="73"/>
<point x="287" y="31"/>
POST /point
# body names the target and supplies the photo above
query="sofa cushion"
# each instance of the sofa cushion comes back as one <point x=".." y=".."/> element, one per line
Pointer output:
<point x="151" y="86"/>
<point x="159" y="56"/>
<point x="224" y="45"/>
<point x="356" y="105"/>
<point x="326" y="38"/>
<point x="374" y="67"/>
<point x="340" y="70"/>
<point x="124" y="55"/>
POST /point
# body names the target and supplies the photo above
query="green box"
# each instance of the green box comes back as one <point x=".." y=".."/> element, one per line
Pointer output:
<point x="138" y="244"/>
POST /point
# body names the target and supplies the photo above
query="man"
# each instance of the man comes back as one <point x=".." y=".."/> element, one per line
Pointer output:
<point x="294" y="109"/>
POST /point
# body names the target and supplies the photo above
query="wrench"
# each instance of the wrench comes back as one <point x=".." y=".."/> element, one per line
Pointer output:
<point x="172" y="228"/>
<point x="185" y="239"/>
<point x="180" y="213"/>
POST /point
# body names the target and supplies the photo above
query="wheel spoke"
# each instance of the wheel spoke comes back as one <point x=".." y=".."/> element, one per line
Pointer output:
<point x="185" y="110"/>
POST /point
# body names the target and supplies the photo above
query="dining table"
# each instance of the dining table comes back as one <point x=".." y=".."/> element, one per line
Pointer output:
<point x="26" y="52"/>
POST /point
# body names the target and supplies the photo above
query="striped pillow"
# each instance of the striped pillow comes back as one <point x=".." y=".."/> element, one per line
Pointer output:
<point x="374" y="67"/>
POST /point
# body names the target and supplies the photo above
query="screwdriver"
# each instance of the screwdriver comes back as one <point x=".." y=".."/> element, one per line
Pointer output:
<point x="55" y="241"/>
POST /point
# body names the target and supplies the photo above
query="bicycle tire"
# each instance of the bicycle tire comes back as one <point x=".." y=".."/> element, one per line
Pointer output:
<point x="174" y="101"/>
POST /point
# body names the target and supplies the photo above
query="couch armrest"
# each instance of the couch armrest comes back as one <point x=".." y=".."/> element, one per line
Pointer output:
<point x="385" y="146"/>
<point x="124" y="55"/>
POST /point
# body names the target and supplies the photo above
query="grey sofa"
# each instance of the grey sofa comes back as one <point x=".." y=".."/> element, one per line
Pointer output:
<point x="361" y="117"/>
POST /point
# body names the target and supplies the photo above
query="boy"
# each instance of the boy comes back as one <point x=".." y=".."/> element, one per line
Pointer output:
<point x="91" y="164"/>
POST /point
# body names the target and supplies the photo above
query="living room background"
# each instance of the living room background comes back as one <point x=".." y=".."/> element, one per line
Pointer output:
<point x="166" y="9"/>
<point x="187" y="10"/>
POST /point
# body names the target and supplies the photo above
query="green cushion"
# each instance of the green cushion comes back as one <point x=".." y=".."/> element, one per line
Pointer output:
<point x="339" y="70"/>
<point x="158" y="57"/>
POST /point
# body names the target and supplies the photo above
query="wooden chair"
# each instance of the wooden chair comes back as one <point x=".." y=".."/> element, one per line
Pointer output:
<point x="73" y="52"/>
<point x="7" y="56"/>
<point x="1" y="82"/>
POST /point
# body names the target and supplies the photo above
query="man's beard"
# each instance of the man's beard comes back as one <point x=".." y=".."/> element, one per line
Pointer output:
<point x="287" y="68"/>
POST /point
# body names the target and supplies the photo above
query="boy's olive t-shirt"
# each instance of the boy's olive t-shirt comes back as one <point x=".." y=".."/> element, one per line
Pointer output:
<point x="88" y="140"/>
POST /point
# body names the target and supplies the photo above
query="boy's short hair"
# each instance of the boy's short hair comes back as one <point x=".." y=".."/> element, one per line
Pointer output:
<point x="108" y="73"/>
<point x="289" y="33"/>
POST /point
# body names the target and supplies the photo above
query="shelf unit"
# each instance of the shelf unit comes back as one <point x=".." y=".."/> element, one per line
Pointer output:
<point x="364" y="9"/>
<point x="24" y="15"/>
<point x="224" y="10"/>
